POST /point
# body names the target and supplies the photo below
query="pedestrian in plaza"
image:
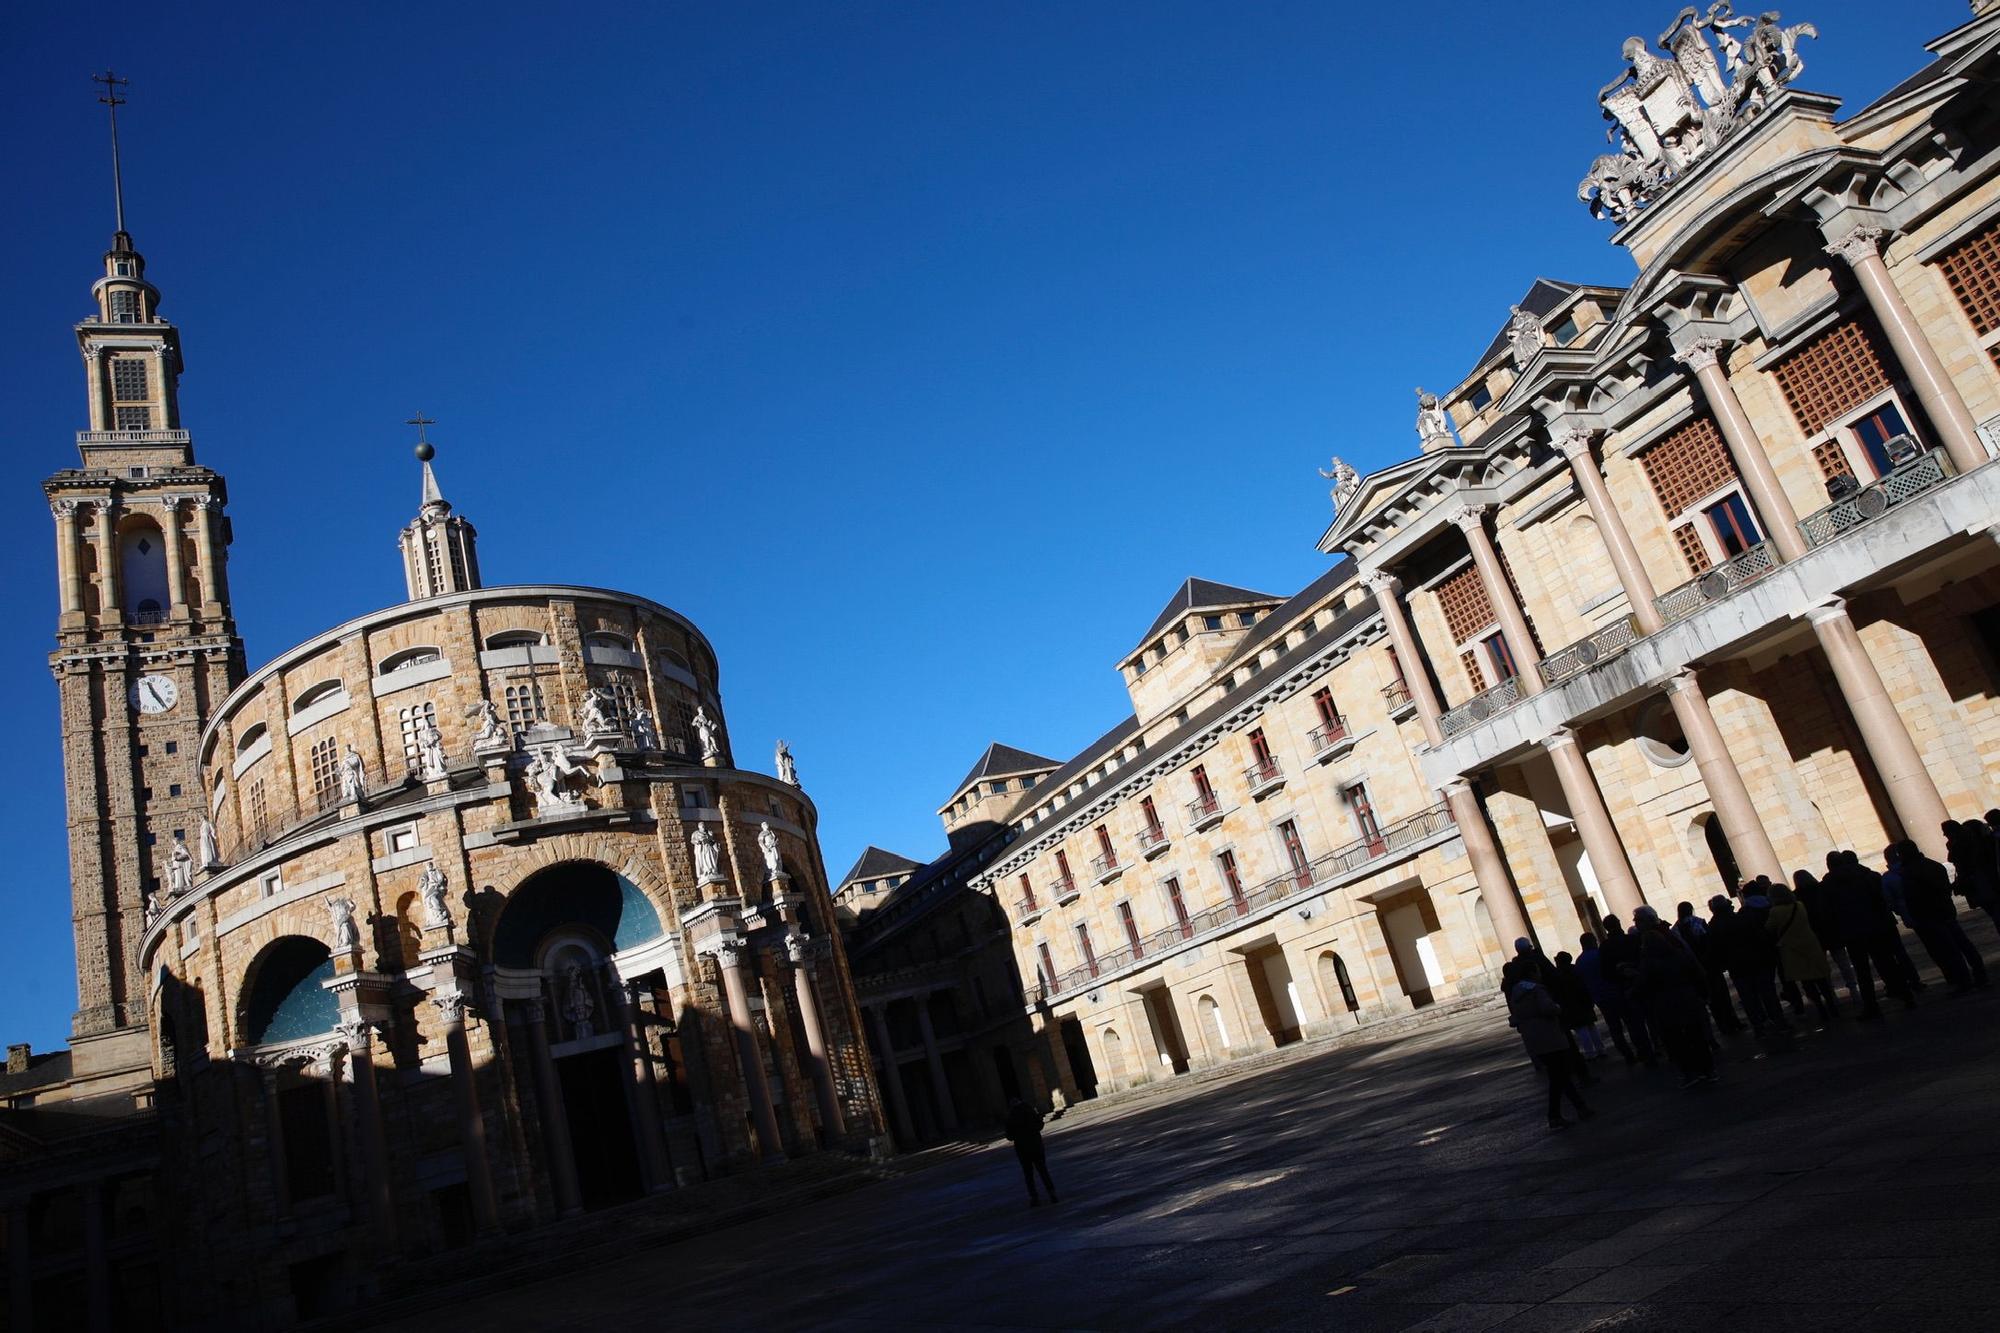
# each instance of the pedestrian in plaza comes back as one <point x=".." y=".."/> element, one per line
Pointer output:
<point x="1607" y="989"/>
<point x="1975" y="876"/>
<point x="1820" y="915"/>
<point x="1864" y="920"/>
<point x="1890" y="883"/>
<point x="1801" y="957"/>
<point x="1024" y="1131"/>
<point x="1696" y="937"/>
<point x="1579" y="1010"/>
<point x="1747" y="955"/>
<point x="1934" y="917"/>
<point x="1538" y="1017"/>
<point x="1755" y="908"/>
<point x="1675" y="995"/>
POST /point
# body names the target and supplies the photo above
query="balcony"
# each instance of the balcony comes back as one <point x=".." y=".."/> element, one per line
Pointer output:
<point x="1396" y="694"/>
<point x="131" y="437"/>
<point x="1153" y="840"/>
<point x="1204" y="812"/>
<point x="1586" y="653"/>
<point x="156" y="616"/>
<point x="1330" y="739"/>
<point x="1874" y="500"/>
<point x="1030" y="913"/>
<point x="1726" y="578"/>
<point x="1316" y="876"/>
<point x="1106" y="868"/>
<point x="1066" y="890"/>
<point x="1263" y="778"/>
<point x="1481" y="706"/>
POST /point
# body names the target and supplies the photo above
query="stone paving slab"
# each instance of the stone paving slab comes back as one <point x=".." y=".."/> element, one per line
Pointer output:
<point x="1842" y="1180"/>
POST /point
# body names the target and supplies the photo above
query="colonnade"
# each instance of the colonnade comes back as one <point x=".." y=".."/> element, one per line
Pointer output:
<point x="99" y="527"/>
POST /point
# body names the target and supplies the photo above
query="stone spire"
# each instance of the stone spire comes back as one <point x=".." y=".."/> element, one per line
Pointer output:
<point x="440" y="551"/>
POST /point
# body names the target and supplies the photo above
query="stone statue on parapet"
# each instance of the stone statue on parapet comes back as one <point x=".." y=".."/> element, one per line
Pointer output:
<point x="1431" y="419"/>
<point x="1346" y="481"/>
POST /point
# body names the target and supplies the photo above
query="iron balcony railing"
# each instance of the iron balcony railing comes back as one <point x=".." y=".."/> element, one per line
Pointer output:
<point x="1726" y="578"/>
<point x="1203" y="808"/>
<point x="1481" y="706"/>
<point x="1065" y="889"/>
<point x="1875" y="499"/>
<point x="1397" y="695"/>
<point x="1152" y="839"/>
<point x="1105" y="866"/>
<point x="1328" y="734"/>
<point x="1587" y="652"/>
<point x="1030" y="911"/>
<point x="1292" y="883"/>
<point x="1263" y="775"/>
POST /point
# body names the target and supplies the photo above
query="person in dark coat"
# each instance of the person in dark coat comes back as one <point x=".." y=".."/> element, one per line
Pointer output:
<point x="1974" y="875"/>
<point x="1024" y="1131"/>
<point x="1538" y="1017"/>
<point x="1674" y="992"/>
<point x="1609" y="998"/>
<point x="1579" y="1010"/>
<point x="1618" y="964"/>
<point x="1746" y="954"/>
<point x="1862" y="917"/>
<point x="1698" y="940"/>
<point x="1888" y="883"/>
<point x="1934" y="917"/>
<point x="1806" y="888"/>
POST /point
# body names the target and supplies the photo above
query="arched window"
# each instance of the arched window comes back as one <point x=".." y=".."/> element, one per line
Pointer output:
<point x="606" y="639"/>
<point x="316" y="694"/>
<point x="254" y="733"/>
<point x="285" y="1001"/>
<point x="516" y="638"/>
<point x="1335" y="984"/>
<point x="1212" y="1023"/>
<point x="142" y="571"/>
<point x="409" y="657"/>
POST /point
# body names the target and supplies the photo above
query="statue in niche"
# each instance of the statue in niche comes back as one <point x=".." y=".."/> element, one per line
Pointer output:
<point x="767" y="843"/>
<point x="211" y="852"/>
<point x="645" y="735"/>
<point x="180" y="869"/>
<point x="1431" y="419"/>
<point x="431" y="763"/>
<point x="578" y="1007"/>
<point x="599" y="712"/>
<point x="353" y="777"/>
<point x="491" y="731"/>
<point x="788" y="768"/>
<point x="705" y="728"/>
<point x="707" y="855"/>
<point x="346" y="935"/>
<point x="432" y="886"/>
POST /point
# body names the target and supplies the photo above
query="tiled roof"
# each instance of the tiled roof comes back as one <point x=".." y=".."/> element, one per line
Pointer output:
<point x="1198" y="594"/>
<point x="1545" y="295"/>
<point x="875" y="863"/>
<point x="1000" y="761"/>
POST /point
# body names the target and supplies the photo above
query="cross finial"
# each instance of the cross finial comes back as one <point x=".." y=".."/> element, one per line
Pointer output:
<point x="110" y="98"/>
<point x="420" y="421"/>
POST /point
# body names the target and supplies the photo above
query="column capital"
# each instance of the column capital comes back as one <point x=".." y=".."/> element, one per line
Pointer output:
<point x="534" y="1009"/>
<point x="1469" y="517"/>
<point x="1384" y="584"/>
<point x="65" y="507"/>
<point x="728" y="955"/>
<point x="1456" y="788"/>
<point x="1834" y="608"/>
<point x="1683" y="681"/>
<point x="359" y="1034"/>
<point x="451" y="1006"/>
<point x="1571" y="441"/>
<point x="1559" y="738"/>
<point x="205" y="501"/>
<point x="1859" y="244"/>
<point x="801" y="949"/>
<point x="1699" y="354"/>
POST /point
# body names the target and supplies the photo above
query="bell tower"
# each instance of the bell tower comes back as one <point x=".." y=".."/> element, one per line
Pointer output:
<point x="145" y="644"/>
<point x="440" y="548"/>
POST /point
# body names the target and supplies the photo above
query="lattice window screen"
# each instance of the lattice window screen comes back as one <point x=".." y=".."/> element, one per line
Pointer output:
<point x="1834" y="373"/>
<point x="1832" y="460"/>
<point x="1692" y="551"/>
<point x="1467" y="609"/>
<point x="1469" y="659"/>
<point x="325" y="757"/>
<point x="1972" y="267"/>
<point x="1688" y="464"/>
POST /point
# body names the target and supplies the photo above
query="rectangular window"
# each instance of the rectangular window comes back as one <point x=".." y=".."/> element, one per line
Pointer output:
<point x="260" y="813"/>
<point x="694" y="798"/>
<point x="1211" y="622"/>
<point x="1047" y="965"/>
<point x="1831" y="375"/>
<point x="1131" y="930"/>
<point x="1467" y="609"/>
<point x="1499" y="655"/>
<point x="412" y="720"/>
<point x="1178" y="906"/>
<point x="1691" y="462"/>
<point x="325" y="766"/>
<point x="1875" y="429"/>
<point x="1083" y="947"/>
<point x="1260" y="749"/>
<point x="1152" y="816"/>
<point x="1365" y="826"/>
<point x="1062" y="863"/>
<point x="522" y="703"/>
<point x="125" y="306"/>
<point x="173" y="789"/>
<point x="129" y="381"/>
<point x="1323" y="705"/>
<point x="1478" y="399"/>
<point x="134" y="418"/>
<point x="1027" y="893"/>
<point x="1201" y="785"/>
<point x="1295" y="852"/>
<point x="1232" y="879"/>
<point x="272" y="884"/>
<point x="1730" y="520"/>
<point x="1246" y="618"/>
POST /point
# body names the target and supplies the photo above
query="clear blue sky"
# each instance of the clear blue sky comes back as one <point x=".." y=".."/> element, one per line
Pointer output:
<point x="916" y="351"/>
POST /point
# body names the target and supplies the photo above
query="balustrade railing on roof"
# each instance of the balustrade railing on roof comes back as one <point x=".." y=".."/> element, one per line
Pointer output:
<point x="1587" y="652"/>
<point x="1292" y="883"/>
<point x="1481" y="706"/>
<point x="1875" y="499"/>
<point x="1728" y="577"/>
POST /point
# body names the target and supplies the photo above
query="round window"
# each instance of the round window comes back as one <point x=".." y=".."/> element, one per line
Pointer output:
<point x="1660" y="734"/>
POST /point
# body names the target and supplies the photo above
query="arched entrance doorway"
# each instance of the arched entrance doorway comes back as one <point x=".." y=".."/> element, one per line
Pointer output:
<point x="1720" y="854"/>
<point x="553" y="948"/>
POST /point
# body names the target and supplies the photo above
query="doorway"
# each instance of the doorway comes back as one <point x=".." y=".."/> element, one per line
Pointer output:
<point x="600" y="1126"/>
<point x="1166" y="1026"/>
<point x="1277" y="995"/>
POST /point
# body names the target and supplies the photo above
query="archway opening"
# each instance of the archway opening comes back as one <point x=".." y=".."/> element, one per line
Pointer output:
<point x="1720" y="854"/>
<point x="142" y="571"/>
<point x="286" y="1000"/>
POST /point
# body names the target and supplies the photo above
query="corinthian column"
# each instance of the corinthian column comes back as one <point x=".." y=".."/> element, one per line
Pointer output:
<point x="1734" y="809"/>
<point x="729" y="959"/>
<point x="555" y="1115"/>
<point x="1862" y="249"/>
<point x="1911" y="792"/>
<point x="170" y="530"/>
<point x="1471" y="520"/>
<point x="465" y="1100"/>
<point x="1703" y="356"/>
<point x="800" y="951"/>
<point x="110" y="605"/>
<point x="68" y="569"/>
<point x="360" y="1038"/>
<point x="213" y="585"/>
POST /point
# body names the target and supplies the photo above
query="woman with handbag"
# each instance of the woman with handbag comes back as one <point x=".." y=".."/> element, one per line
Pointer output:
<point x="1801" y="957"/>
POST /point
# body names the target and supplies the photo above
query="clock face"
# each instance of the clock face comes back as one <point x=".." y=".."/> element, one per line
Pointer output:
<point x="155" y="694"/>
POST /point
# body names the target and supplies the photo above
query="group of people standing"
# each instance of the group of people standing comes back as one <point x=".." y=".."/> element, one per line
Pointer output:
<point x="1667" y="988"/>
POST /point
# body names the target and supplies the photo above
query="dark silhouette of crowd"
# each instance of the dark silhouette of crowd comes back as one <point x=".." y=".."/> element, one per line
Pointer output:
<point x="1763" y="962"/>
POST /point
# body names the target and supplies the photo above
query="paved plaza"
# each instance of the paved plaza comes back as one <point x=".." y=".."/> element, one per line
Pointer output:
<point x="1848" y="1180"/>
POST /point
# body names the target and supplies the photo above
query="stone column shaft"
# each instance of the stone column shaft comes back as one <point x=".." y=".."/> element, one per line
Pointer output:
<point x="68" y="558"/>
<point x="940" y="1086"/>
<point x="1862" y="249"/>
<point x="1408" y="654"/>
<point x="1593" y="824"/>
<point x="555" y="1115"/>
<point x="1911" y="792"/>
<point x="368" y="1109"/>
<point x="111" y="607"/>
<point x="898" y="1107"/>
<point x="471" y="1124"/>
<point x="645" y="1109"/>
<point x="170" y="532"/>
<point x="749" y="1055"/>
<point x="822" y="1071"/>
<point x="1513" y="625"/>
<point x="1753" y="465"/>
<point x="1726" y="790"/>
<point x="213" y="588"/>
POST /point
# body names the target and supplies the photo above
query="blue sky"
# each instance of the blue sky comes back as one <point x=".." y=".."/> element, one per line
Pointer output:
<point x="917" y="352"/>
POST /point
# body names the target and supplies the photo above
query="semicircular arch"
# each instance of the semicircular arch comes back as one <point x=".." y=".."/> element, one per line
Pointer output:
<point x="283" y="996"/>
<point x="569" y="893"/>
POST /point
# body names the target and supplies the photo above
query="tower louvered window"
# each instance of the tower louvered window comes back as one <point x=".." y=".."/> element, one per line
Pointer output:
<point x="125" y="306"/>
<point x="134" y="418"/>
<point x="1831" y="375"/>
<point x="129" y="381"/>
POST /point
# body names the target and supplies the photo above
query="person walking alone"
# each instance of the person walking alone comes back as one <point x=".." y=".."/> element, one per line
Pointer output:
<point x="1538" y="1017"/>
<point x="1024" y="1131"/>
